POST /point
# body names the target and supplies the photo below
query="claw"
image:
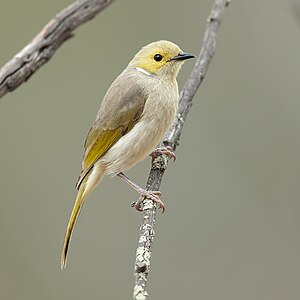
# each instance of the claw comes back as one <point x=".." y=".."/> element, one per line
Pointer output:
<point x="165" y="150"/>
<point x="152" y="195"/>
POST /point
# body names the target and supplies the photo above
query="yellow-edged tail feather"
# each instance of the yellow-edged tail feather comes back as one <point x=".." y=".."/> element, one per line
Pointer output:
<point x="74" y="215"/>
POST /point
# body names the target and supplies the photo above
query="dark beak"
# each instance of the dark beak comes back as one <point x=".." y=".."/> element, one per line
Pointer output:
<point x="182" y="56"/>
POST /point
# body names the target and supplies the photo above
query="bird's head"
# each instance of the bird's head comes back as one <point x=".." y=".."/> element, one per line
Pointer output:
<point x="162" y="58"/>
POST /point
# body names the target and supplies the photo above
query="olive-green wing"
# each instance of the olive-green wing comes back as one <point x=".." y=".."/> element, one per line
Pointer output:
<point x="117" y="115"/>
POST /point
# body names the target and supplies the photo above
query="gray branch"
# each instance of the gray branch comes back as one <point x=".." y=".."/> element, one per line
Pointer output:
<point x="44" y="45"/>
<point x="42" y="48"/>
<point x="159" y="165"/>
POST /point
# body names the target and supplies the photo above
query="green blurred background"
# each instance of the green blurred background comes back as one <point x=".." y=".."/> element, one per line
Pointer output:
<point x="231" y="229"/>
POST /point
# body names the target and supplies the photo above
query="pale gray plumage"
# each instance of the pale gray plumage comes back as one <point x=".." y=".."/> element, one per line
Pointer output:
<point x="134" y="115"/>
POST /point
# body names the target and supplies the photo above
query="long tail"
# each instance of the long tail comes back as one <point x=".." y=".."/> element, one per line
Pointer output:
<point x="74" y="216"/>
<point x="91" y="180"/>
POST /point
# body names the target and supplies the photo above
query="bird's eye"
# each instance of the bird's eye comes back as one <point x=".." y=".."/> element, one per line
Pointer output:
<point x="157" y="57"/>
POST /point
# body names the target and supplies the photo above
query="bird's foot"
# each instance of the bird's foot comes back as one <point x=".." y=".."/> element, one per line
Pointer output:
<point x="165" y="150"/>
<point x="152" y="195"/>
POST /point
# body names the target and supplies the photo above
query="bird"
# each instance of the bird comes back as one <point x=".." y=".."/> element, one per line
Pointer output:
<point x="135" y="113"/>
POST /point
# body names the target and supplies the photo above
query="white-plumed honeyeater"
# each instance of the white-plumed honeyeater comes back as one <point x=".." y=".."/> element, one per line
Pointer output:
<point x="137" y="110"/>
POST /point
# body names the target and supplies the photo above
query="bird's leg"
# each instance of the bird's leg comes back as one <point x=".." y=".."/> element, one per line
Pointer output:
<point x="153" y="195"/>
<point x="164" y="150"/>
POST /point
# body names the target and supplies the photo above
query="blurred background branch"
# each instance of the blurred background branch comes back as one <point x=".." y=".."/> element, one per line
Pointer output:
<point x="159" y="165"/>
<point x="295" y="10"/>
<point x="43" y="46"/>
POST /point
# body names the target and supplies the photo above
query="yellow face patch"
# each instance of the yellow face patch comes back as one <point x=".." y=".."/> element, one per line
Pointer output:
<point x="156" y="55"/>
<point x="154" y="61"/>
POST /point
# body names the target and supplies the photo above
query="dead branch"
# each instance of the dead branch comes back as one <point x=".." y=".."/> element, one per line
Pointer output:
<point x="159" y="165"/>
<point x="43" y="46"/>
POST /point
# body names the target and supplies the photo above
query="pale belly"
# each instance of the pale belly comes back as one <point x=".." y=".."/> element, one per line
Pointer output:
<point x="134" y="146"/>
<point x="158" y="115"/>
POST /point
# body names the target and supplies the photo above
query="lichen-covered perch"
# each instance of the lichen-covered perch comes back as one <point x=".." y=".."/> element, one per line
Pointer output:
<point x="159" y="165"/>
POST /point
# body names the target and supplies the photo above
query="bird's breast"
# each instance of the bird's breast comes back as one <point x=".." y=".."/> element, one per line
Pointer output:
<point x="157" y="117"/>
<point x="160" y="108"/>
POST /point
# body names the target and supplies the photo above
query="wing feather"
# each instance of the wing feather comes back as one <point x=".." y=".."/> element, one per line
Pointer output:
<point x="120" y="109"/>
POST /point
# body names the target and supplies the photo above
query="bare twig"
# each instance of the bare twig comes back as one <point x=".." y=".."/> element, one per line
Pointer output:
<point x="44" y="45"/>
<point x="159" y="165"/>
